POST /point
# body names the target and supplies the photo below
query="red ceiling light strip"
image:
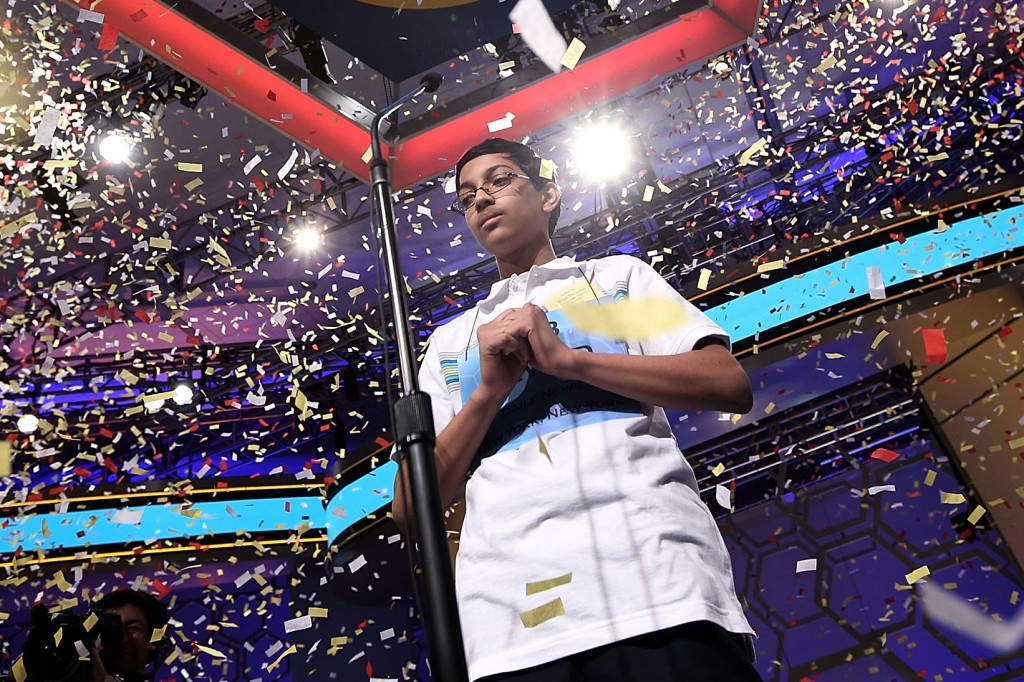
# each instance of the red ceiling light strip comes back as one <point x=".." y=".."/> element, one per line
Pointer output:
<point x="259" y="90"/>
<point x="238" y="78"/>
<point x="690" y="38"/>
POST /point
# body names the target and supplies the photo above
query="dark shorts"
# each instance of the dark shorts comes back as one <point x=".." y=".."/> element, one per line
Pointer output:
<point x="694" y="652"/>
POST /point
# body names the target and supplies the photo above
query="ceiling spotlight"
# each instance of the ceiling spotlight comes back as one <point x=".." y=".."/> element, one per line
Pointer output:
<point x="28" y="423"/>
<point x="155" y="405"/>
<point x="308" y="238"/>
<point x="115" y="147"/>
<point x="601" y="151"/>
<point x="183" y="394"/>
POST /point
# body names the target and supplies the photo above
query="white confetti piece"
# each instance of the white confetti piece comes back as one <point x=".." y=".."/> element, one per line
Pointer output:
<point x="806" y="565"/>
<point x="539" y="32"/>
<point x="357" y="563"/>
<point x="876" y="287"/>
<point x="951" y="611"/>
<point x="127" y="516"/>
<point x="300" y="623"/>
<point x="723" y="496"/>
<point x="875" y="489"/>
<point x="47" y="126"/>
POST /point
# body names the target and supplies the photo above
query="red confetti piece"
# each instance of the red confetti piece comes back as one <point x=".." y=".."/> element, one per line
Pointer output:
<point x="935" y="350"/>
<point x="884" y="455"/>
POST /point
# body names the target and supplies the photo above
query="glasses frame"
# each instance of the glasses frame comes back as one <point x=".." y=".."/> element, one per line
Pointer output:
<point x="456" y="204"/>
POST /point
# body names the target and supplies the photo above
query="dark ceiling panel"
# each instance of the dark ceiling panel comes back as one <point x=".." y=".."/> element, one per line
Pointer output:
<point x="400" y="39"/>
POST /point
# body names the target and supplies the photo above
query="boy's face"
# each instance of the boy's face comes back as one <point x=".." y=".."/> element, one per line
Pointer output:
<point x="512" y="220"/>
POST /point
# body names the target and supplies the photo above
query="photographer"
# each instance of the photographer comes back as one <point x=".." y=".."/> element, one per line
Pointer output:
<point x="126" y="660"/>
<point x="115" y="638"/>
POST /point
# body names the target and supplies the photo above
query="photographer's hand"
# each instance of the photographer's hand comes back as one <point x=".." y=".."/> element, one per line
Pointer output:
<point x="98" y="671"/>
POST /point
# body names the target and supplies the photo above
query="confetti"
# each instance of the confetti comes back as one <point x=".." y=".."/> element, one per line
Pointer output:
<point x="542" y="613"/>
<point x="917" y="574"/>
<point x="723" y="496"/>
<point x="952" y="498"/>
<point x="886" y="456"/>
<point x="976" y="515"/>
<point x="539" y="32"/>
<point x="635" y="318"/>
<point x="806" y="565"/>
<point x="946" y="609"/>
<point x="935" y="350"/>
<point x="572" y="54"/>
<point x="542" y="585"/>
<point x="876" y="287"/>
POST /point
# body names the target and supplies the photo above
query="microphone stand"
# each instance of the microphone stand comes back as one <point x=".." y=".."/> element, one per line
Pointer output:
<point x="414" y="432"/>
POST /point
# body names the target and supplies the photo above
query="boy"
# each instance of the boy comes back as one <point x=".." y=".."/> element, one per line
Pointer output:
<point x="586" y="553"/>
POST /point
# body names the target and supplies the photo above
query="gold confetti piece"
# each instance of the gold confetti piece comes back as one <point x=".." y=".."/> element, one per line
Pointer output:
<point x="769" y="407"/>
<point x="719" y="468"/>
<point x="917" y="574"/>
<point x="544" y="612"/>
<point x="367" y="155"/>
<point x="547" y="169"/>
<point x="148" y="398"/>
<point x="771" y="265"/>
<point x="1016" y="443"/>
<point x="573" y="53"/>
<point x="62" y="582"/>
<point x="165" y="337"/>
<point x="929" y="478"/>
<point x="287" y="652"/>
<point x="187" y="167"/>
<point x="5" y="458"/>
<point x="91" y="620"/>
<point x="834" y="356"/>
<point x="704" y="279"/>
<point x="635" y="318"/>
<point x="753" y="151"/>
<point x="541" y="585"/>
<point x="976" y="515"/>
<point x="878" y="339"/>
<point x="211" y="652"/>
<point x="952" y="498"/>
<point x="192" y="184"/>
<point x="648" y="193"/>
<point x="18" y="670"/>
<point x="317" y="612"/>
<point x="160" y="243"/>
<point x="158" y="634"/>
<point x="60" y="163"/>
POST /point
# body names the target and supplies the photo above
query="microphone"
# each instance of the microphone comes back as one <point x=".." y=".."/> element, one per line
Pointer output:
<point x="431" y="81"/>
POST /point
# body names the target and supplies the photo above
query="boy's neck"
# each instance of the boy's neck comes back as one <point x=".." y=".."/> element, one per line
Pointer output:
<point x="507" y="268"/>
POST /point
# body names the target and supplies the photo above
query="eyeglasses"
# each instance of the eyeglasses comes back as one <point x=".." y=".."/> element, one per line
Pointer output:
<point x="467" y="199"/>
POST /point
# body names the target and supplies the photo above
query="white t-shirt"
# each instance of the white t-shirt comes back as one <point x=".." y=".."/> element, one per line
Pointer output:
<point x="583" y="521"/>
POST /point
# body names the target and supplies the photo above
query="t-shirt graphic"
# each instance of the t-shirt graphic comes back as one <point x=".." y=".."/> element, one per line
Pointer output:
<point x="541" y="404"/>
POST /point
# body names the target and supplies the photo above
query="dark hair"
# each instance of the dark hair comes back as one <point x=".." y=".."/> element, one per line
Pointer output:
<point x="156" y="612"/>
<point x="523" y="156"/>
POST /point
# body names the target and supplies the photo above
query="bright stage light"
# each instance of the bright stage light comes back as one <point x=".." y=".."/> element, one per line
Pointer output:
<point x="115" y="147"/>
<point x="183" y="394"/>
<point x="601" y="151"/>
<point x="155" y="405"/>
<point x="28" y="423"/>
<point x="308" y="238"/>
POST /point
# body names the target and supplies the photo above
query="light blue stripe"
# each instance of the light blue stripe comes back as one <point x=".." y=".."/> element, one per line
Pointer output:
<point x="801" y="296"/>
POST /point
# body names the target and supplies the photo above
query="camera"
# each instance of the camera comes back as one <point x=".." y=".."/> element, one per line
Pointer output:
<point x="58" y="647"/>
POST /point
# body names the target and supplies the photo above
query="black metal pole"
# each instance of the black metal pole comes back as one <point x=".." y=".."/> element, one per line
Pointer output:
<point x="414" y="433"/>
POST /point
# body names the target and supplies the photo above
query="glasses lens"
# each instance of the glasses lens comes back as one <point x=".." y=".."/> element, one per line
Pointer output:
<point x="499" y="182"/>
